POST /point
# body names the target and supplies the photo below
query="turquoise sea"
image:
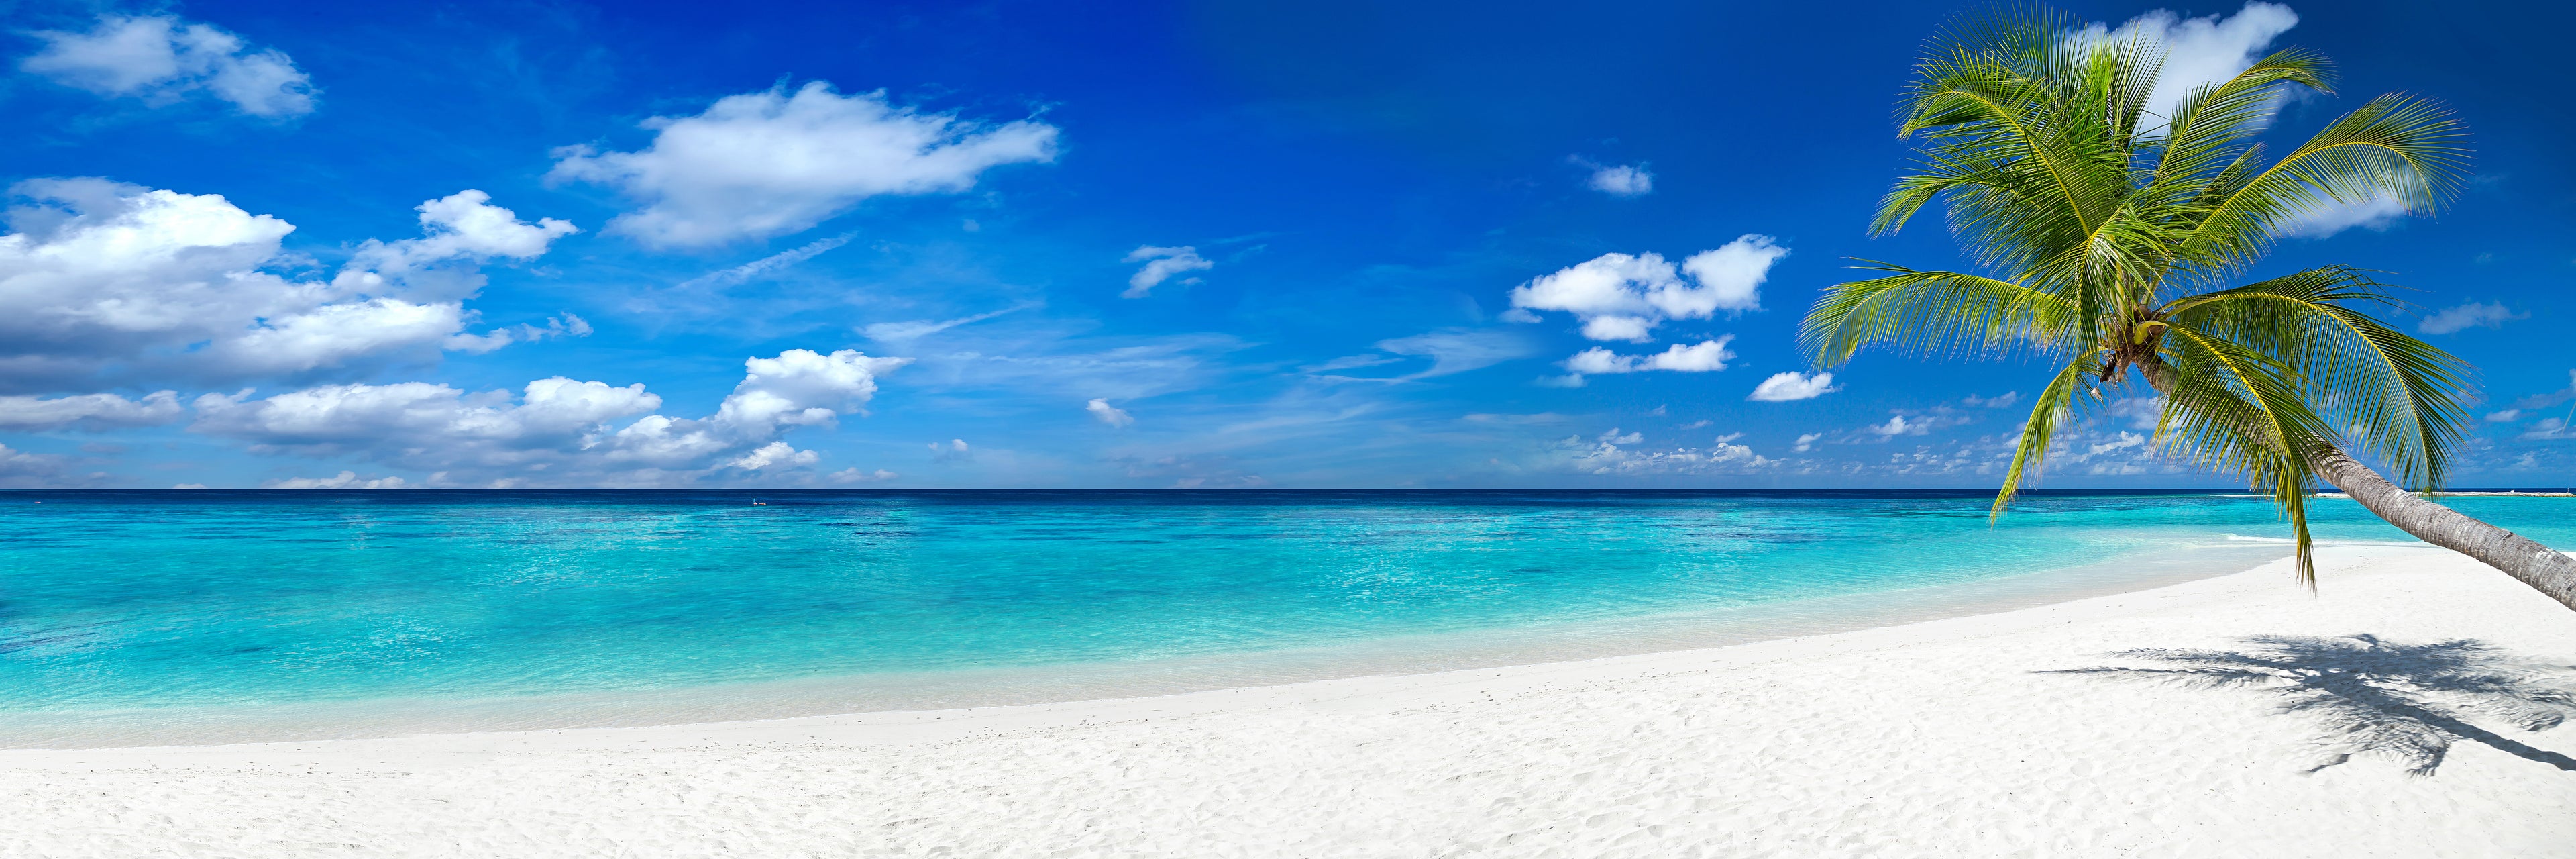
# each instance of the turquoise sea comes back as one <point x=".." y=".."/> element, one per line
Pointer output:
<point x="148" y="617"/>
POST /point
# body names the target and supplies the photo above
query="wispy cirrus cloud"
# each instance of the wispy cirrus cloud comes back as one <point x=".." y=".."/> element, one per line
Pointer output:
<point x="161" y="60"/>
<point x="2462" y="317"/>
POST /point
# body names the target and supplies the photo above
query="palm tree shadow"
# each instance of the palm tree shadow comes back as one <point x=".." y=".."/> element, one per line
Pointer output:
<point x="2403" y="702"/>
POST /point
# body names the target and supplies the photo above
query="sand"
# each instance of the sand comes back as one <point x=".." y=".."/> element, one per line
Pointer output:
<point x="1945" y="738"/>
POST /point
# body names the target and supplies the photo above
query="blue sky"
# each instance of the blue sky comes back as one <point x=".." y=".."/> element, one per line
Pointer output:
<point x="1220" y="245"/>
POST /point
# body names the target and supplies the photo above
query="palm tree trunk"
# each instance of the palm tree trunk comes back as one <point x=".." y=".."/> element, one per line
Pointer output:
<point x="2536" y="565"/>
<point x="2531" y="563"/>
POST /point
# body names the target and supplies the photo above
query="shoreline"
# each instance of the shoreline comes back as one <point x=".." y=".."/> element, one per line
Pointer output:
<point x="1943" y="737"/>
<point x="1394" y="655"/>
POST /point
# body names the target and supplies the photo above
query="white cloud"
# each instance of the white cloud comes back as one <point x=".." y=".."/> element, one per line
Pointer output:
<point x="1161" y="263"/>
<point x="1348" y="362"/>
<point x="1514" y="420"/>
<point x="956" y="450"/>
<point x="1456" y="350"/>
<point x="2123" y="441"/>
<point x="2141" y="412"/>
<point x="906" y="332"/>
<point x="2504" y="417"/>
<point x="774" y="453"/>
<point x="764" y="266"/>
<point x="88" y="411"/>
<point x="1730" y="276"/>
<point x="1807" y="441"/>
<point x="1897" y="425"/>
<point x="555" y="431"/>
<point x="1623" y="180"/>
<point x="2199" y="51"/>
<point x="2211" y="49"/>
<point x="101" y="274"/>
<point x="1705" y="357"/>
<point x="161" y="60"/>
<point x="463" y="225"/>
<point x="855" y="475"/>
<point x="1609" y="454"/>
<point x="20" y="469"/>
<point x="1997" y="401"/>
<point x="344" y="480"/>
<point x="1623" y="297"/>
<point x="802" y="387"/>
<point x="563" y="325"/>
<point x="769" y="163"/>
<point x="2467" y="316"/>
<point x="1109" y="414"/>
<point x="1786" y="387"/>
<point x="2323" y="217"/>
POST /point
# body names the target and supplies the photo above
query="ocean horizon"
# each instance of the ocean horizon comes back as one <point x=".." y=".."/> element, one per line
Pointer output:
<point x="183" y="616"/>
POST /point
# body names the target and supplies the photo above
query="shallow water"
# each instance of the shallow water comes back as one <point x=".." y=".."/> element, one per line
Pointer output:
<point x="177" y="616"/>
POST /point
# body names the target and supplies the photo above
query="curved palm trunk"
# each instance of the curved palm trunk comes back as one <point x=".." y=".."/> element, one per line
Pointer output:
<point x="2536" y="565"/>
<point x="2546" y="570"/>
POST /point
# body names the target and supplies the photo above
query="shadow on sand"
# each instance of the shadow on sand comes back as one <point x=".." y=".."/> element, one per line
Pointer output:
<point x="2402" y="702"/>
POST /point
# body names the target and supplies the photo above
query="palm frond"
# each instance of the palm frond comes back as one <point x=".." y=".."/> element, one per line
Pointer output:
<point x="2055" y="403"/>
<point x="1934" y="313"/>
<point x="2398" y="148"/>
<point x="2235" y="408"/>
<point x="2091" y="222"/>
<point x="2398" y="397"/>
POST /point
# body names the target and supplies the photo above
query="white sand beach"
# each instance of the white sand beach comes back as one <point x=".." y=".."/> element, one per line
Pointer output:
<point x="1945" y="738"/>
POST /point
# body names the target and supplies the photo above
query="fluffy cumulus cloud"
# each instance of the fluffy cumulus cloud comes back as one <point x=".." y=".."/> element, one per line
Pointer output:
<point x="100" y="276"/>
<point x="770" y="163"/>
<point x="1114" y="416"/>
<point x="2471" y="315"/>
<point x="460" y="226"/>
<point x="802" y="387"/>
<point x="556" y="431"/>
<point x="163" y="60"/>
<point x="1623" y="297"/>
<point x="1791" y="386"/>
<point x="88" y="411"/>
<point x="1161" y="264"/>
<point x="2199" y="51"/>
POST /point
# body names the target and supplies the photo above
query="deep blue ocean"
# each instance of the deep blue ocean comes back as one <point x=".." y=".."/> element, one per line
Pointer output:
<point x="197" y="615"/>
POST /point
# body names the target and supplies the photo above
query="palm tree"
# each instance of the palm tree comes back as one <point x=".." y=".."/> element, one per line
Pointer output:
<point x="2110" y="238"/>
